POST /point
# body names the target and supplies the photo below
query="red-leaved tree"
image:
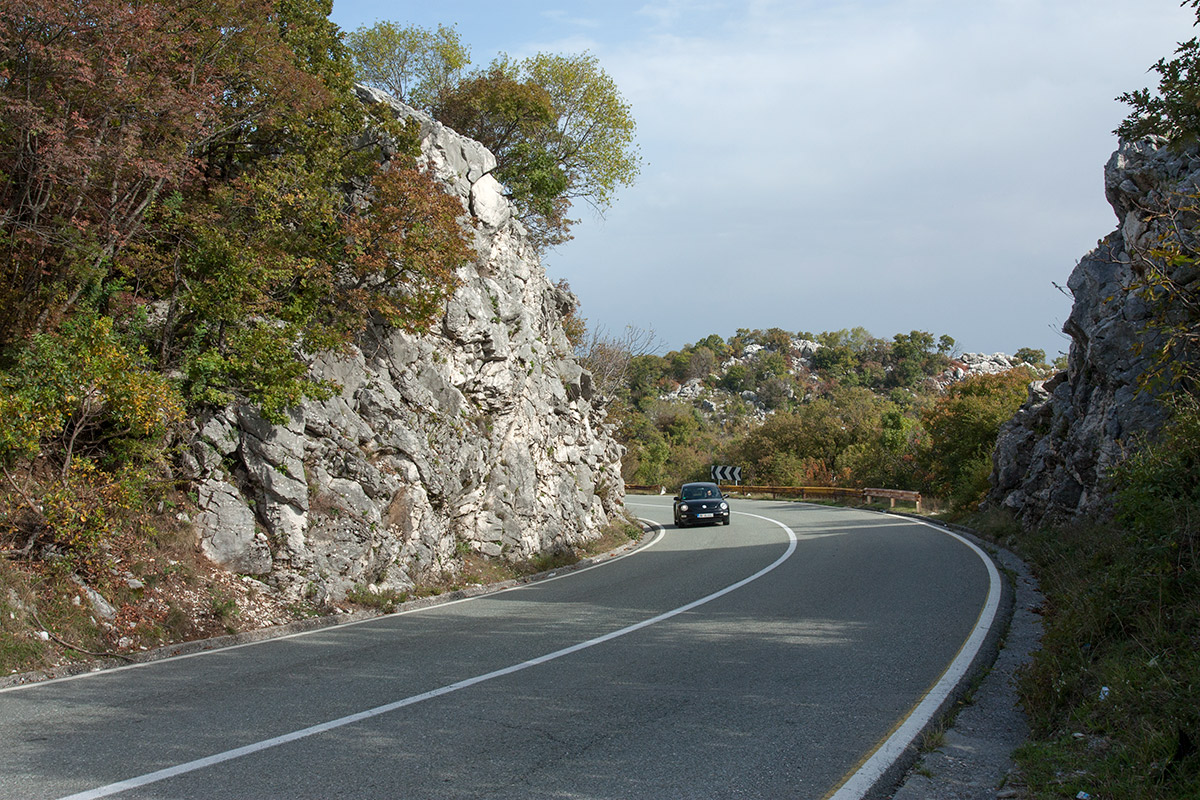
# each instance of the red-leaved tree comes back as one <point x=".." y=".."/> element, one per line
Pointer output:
<point x="106" y="105"/>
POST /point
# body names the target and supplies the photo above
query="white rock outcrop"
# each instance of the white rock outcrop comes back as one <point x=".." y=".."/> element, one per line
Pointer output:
<point x="482" y="435"/>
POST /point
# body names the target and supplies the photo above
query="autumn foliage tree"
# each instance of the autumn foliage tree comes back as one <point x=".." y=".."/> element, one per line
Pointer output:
<point x="102" y="109"/>
<point x="963" y="425"/>
<point x="198" y="181"/>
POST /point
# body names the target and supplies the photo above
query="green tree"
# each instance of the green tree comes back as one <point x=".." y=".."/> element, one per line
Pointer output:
<point x="810" y="440"/>
<point x="778" y="340"/>
<point x="560" y="131"/>
<point x="889" y="457"/>
<point x="913" y="358"/>
<point x="770" y="364"/>
<point x="839" y="360"/>
<point x="513" y="118"/>
<point x="737" y="379"/>
<point x="716" y="344"/>
<point x="594" y="129"/>
<point x="1173" y="111"/>
<point x="856" y="339"/>
<point x="85" y="404"/>
<point x="963" y="425"/>
<point x="645" y="376"/>
<point x="1029" y="355"/>
<point x="77" y="389"/>
<point x="412" y="63"/>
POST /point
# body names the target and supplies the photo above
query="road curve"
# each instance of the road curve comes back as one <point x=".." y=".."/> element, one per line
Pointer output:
<point x="790" y="654"/>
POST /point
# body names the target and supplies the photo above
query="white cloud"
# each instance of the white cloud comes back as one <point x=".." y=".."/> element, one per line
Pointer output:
<point x="559" y="16"/>
<point x="897" y="157"/>
<point x="833" y="163"/>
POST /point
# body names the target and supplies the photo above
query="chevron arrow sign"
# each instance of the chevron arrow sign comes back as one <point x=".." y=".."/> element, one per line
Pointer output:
<point x="727" y="474"/>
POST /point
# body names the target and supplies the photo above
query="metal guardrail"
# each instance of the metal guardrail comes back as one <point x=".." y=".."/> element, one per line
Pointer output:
<point x="653" y="488"/>
<point x="805" y="492"/>
<point x="892" y="495"/>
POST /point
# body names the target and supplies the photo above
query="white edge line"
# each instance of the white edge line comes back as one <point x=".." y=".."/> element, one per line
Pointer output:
<point x="862" y="781"/>
<point x="335" y="626"/>
<point x="229" y="755"/>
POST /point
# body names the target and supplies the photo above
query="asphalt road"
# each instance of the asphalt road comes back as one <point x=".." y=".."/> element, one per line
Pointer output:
<point x="770" y="658"/>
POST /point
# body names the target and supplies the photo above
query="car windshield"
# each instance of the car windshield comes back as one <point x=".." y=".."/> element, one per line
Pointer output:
<point x="698" y="492"/>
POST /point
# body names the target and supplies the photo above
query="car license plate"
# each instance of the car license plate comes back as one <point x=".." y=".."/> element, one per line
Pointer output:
<point x="704" y="516"/>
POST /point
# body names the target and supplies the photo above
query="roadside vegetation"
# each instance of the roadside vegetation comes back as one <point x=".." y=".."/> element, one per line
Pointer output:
<point x="838" y="408"/>
<point x="1114" y="694"/>
<point x="192" y="203"/>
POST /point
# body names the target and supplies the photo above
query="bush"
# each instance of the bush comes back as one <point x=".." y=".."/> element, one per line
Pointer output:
<point x="963" y="425"/>
<point x="85" y="419"/>
<point x="78" y="389"/>
<point x="1120" y="658"/>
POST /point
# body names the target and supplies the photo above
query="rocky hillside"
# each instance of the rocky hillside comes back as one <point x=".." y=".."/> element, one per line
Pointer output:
<point x="1052" y="460"/>
<point x="483" y="435"/>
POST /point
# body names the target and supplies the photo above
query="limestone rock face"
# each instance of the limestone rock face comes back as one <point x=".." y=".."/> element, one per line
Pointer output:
<point x="1053" y="458"/>
<point x="482" y="435"/>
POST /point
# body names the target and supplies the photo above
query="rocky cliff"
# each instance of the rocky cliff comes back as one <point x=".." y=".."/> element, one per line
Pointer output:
<point x="1053" y="458"/>
<point x="481" y="435"/>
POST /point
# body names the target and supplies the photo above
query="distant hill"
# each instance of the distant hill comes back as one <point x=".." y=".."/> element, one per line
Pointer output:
<point x="840" y="407"/>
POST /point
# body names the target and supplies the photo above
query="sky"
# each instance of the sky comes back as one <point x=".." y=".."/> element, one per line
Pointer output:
<point x="815" y="165"/>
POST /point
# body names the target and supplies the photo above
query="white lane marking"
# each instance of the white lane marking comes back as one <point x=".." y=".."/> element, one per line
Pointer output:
<point x="340" y="625"/>
<point x="229" y="755"/>
<point x="857" y="785"/>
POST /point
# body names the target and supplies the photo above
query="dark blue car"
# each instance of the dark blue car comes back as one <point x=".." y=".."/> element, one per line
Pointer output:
<point x="700" y="503"/>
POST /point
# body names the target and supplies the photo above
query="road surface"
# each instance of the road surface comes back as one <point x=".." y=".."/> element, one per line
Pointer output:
<point x="770" y="658"/>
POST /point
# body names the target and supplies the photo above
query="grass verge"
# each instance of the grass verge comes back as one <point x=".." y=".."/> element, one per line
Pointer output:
<point x="1113" y="696"/>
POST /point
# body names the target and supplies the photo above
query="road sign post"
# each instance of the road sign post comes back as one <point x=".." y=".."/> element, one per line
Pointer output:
<point x="727" y="474"/>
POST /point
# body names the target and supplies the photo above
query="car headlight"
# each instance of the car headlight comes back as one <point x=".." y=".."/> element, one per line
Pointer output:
<point x="683" y="507"/>
<point x="724" y="506"/>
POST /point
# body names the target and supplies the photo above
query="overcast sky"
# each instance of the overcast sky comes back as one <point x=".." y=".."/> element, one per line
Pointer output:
<point x="814" y="165"/>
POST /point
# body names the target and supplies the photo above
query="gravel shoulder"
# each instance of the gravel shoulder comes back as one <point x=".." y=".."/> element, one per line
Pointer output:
<point x="973" y="757"/>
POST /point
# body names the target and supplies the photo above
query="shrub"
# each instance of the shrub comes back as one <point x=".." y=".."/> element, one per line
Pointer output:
<point x="79" y="389"/>
<point x="963" y="425"/>
<point x="1120" y="658"/>
<point x="87" y="419"/>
